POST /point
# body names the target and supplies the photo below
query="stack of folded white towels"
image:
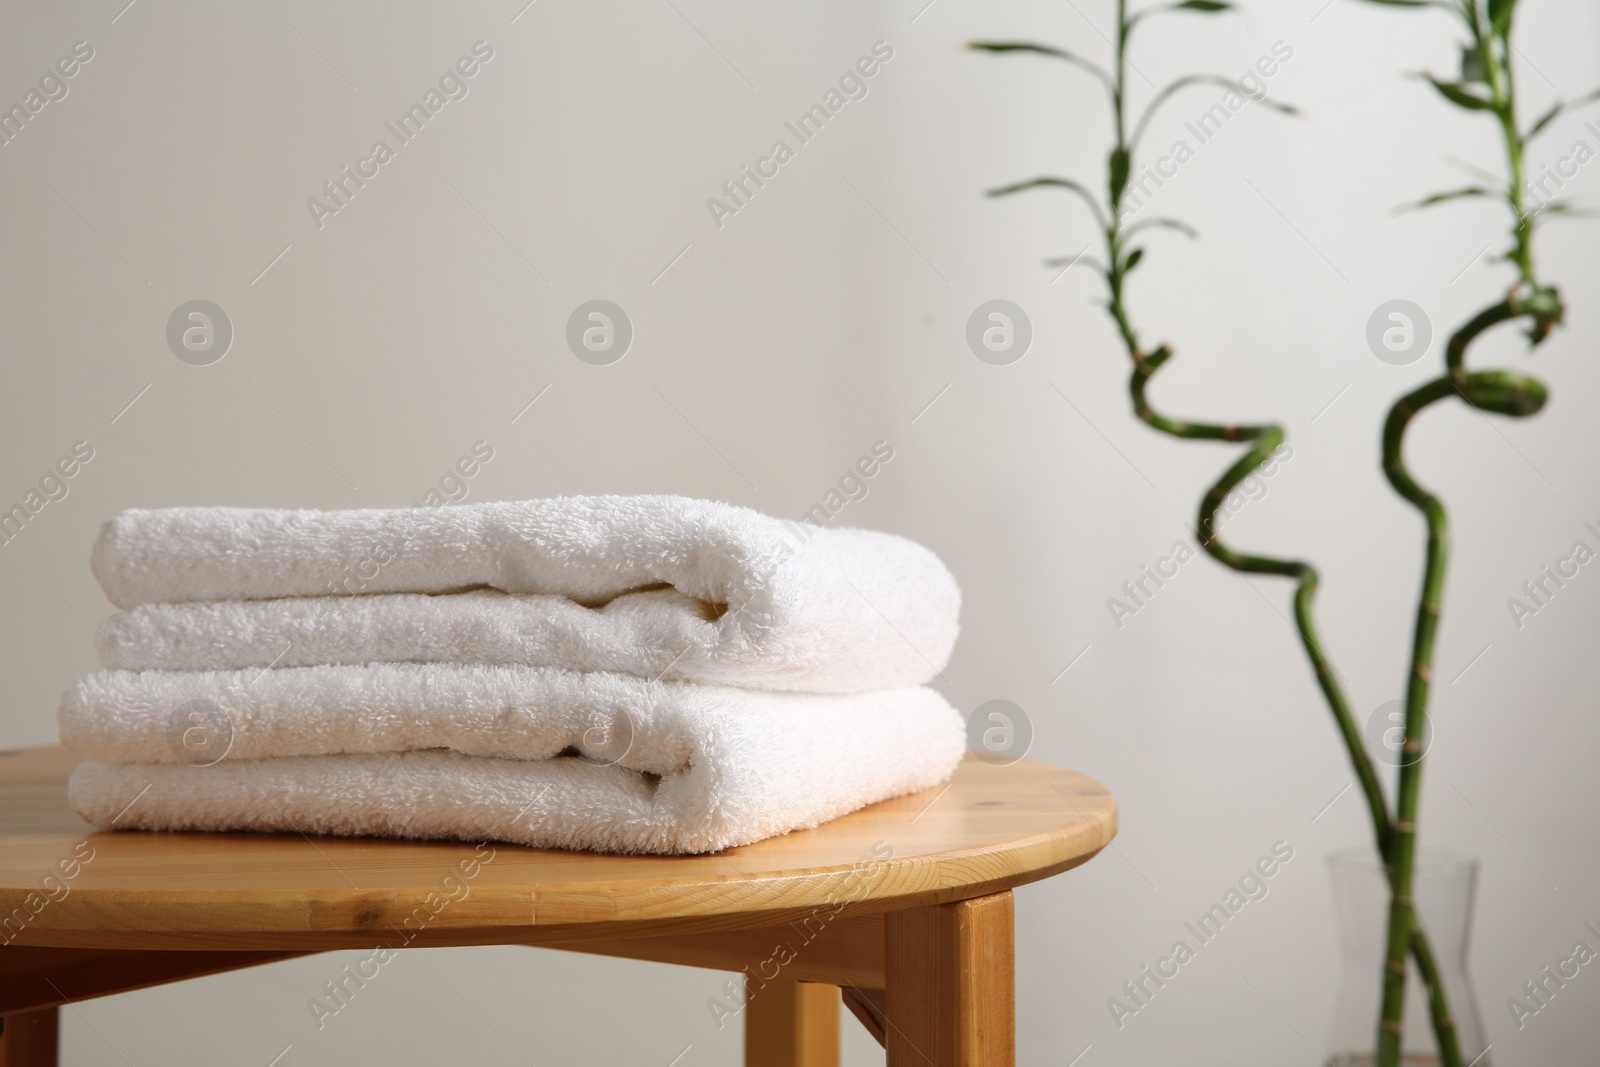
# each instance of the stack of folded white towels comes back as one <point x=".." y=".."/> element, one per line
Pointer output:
<point x="625" y="674"/>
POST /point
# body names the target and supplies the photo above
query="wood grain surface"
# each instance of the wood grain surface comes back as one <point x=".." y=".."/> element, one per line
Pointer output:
<point x="951" y="972"/>
<point x="61" y="884"/>
<point x="792" y="1024"/>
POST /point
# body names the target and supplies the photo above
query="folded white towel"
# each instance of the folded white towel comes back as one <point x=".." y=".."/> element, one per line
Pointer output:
<point x="619" y="583"/>
<point x="658" y="633"/>
<point x="483" y="753"/>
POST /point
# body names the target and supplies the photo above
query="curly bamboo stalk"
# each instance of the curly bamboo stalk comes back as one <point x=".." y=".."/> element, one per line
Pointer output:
<point x="1502" y="392"/>
<point x="1266" y="439"/>
<point x="1495" y="391"/>
<point x="1507" y="394"/>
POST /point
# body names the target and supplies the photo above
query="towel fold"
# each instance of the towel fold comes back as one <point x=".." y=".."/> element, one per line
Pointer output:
<point x="657" y="633"/>
<point x="700" y="590"/>
<point x="541" y="757"/>
<point x="625" y="674"/>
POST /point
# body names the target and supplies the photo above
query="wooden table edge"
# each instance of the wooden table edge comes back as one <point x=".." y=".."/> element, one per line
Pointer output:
<point x="531" y="913"/>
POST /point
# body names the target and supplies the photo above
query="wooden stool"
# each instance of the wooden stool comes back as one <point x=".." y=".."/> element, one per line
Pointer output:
<point x="905" y="907"/>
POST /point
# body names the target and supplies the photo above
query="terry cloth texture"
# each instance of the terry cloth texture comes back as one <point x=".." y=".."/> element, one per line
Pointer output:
<point x="534" y="756"/>
<point x="656" y="586"/>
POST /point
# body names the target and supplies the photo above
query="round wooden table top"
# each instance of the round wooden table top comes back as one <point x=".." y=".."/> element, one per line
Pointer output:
<point x="63" y="884"/>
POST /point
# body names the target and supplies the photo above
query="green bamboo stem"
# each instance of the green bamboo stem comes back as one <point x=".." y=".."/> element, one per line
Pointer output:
<point x="1507" y="394"/>
<point x="1402" y="858"/>
<point x="1265" y="439"/>
<point x="1494" y="391"/>
<point x="1444" y="1024"/>
<point x="1504" y="393"/>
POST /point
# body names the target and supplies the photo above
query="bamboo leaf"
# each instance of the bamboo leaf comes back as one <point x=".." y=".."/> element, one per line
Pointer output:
<point x="1050" y="181"/>
<point x="1567" y="208"/>
<point x="1133" y="260"/>
<point x="1032" y="48"/>
<point x="1440" y="198"/>
<point x="1178" y="85"/>
<point x="1470" y="168"/>
<point x="1559" y="108"/>
<point x="1204" y="7"/>
<point x="1582" y="101"/>
<point x="1459" y="95"/>
<point x="1166" y="224"/>
<point x="1544" y="120"/>
<point x="1067" y="261"/>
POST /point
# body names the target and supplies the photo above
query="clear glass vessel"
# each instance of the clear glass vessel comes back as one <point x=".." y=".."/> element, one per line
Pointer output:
<point x="1445" y="886"/>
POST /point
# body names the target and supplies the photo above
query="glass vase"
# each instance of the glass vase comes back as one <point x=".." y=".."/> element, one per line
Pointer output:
<point x="1444" y="887"/>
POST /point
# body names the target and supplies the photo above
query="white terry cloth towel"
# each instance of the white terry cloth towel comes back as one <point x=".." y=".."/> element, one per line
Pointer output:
<point x="658" y="633"/>
<point x="616" y="583"/>
<point x="540" y="757"/>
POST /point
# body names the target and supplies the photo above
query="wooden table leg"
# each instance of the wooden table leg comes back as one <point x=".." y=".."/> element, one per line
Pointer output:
<point x="790" y="1024"/>
<point x="950" y="972"/>
<point x="28" y="1038"/>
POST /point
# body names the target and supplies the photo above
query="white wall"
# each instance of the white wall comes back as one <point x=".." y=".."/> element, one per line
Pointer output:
<point x="822" y="318"/>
